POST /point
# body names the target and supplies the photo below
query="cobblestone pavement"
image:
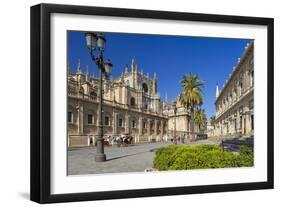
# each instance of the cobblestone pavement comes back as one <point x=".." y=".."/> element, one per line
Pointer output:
<point x="133" y="158"/>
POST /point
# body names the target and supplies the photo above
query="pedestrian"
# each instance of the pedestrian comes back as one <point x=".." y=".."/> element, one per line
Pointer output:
<point x="182" y="139"/>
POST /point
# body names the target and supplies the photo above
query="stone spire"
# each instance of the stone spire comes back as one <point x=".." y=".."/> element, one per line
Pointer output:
<point x="87" y="75"/>
<point x="154" y="85"/>
<point x="122" y="78"/>
<point x="155" y="76"/>
<point x="79" y="70"/>
<point x="133" y="65"/>
<point x="126" y="69"/>
<point x="166" y="98"/>
<point x="165" y="102"/>
<point x="147" y="75"/>
<point x="217" y="91"/>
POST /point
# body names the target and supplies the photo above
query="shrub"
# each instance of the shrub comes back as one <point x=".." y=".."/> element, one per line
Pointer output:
<point x="246" y="155"/>
<point x="178" y="157"/>
<point x="246" y="150"/>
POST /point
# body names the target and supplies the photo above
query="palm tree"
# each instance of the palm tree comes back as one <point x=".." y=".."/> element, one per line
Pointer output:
<point x="213" y="123"/>
<point x="200" y="118"/>
<point x="191" y="97"/>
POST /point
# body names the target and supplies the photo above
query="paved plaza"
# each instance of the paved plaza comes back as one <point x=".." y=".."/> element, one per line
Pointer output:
<point x="133" y="158"/>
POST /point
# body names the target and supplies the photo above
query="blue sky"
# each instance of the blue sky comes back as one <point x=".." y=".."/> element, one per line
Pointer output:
<point x="169" y="56"/>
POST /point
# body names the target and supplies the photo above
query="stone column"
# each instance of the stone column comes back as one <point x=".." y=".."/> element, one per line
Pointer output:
<point x="140" y="128"/>
<point x="241" y="122"/>
<point x="155" y="129"/>
<point x="125" y="95"/>
<point x="248" y="122"/>
<point x="139" y="101"/>
<point x="80" y="118"/>
<point x="127" y="123"/>
<point x="115" y="122"/>
<point x="149" y="129"/>
<point x="248" y="119"/>
<point x="233" y="122"/>
<point x="162" y="130"/>
<point x="231" y="126"/>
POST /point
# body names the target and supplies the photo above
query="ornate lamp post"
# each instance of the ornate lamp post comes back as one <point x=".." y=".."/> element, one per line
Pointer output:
<point x="175" y="112"/>
<point x="97" y="42"/>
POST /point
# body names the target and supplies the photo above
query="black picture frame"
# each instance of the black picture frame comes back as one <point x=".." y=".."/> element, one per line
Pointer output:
<point x="41" y="95"/>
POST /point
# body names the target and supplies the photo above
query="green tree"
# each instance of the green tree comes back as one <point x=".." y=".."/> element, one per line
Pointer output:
<point x="213" y="121"/>
<point x="200" y="118"/>
<point x="191" y="97"/>
<point x="213" y="124"/>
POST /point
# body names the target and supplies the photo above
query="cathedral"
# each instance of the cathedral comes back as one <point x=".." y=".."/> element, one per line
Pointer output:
<point x="131" y="105"/>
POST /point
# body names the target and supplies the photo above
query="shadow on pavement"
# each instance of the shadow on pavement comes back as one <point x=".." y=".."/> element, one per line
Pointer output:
<point x="128" y="155"/>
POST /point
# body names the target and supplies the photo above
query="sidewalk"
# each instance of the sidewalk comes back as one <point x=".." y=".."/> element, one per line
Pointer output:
<point x="133" y="158"/>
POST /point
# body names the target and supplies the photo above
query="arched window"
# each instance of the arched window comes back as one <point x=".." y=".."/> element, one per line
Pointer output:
<point x="93" y="95"/>
<point x="144" y="125"/>
<point x="134" y="124"/>
<point x="144" y="87"/>
<point x="106" y="121"/>
<point x="252" y="77"/>
<point x="132" y="101"/>
<point x="158" y="126"/>
<point x="151" y="125"/>
<point x="69" y="117"/>
<point x="120" y="122"/>
<point x="90" y="119"/>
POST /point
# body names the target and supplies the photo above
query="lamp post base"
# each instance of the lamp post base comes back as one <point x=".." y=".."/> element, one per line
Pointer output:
<point x="100" y="158"/>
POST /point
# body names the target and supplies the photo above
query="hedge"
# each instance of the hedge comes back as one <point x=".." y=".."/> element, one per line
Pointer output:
<point x="179" y="157"/>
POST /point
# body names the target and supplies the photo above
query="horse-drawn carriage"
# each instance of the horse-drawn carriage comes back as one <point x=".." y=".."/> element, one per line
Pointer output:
<point x="122" y="140"/>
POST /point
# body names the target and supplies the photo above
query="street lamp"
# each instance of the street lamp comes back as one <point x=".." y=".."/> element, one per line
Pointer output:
<point x="108" y="67"/>
<point x="175" y="112"/>
<point x="96" y="41"/>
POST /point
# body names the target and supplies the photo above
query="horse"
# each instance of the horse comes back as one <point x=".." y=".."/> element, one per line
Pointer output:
<point x="124" y="140"/>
